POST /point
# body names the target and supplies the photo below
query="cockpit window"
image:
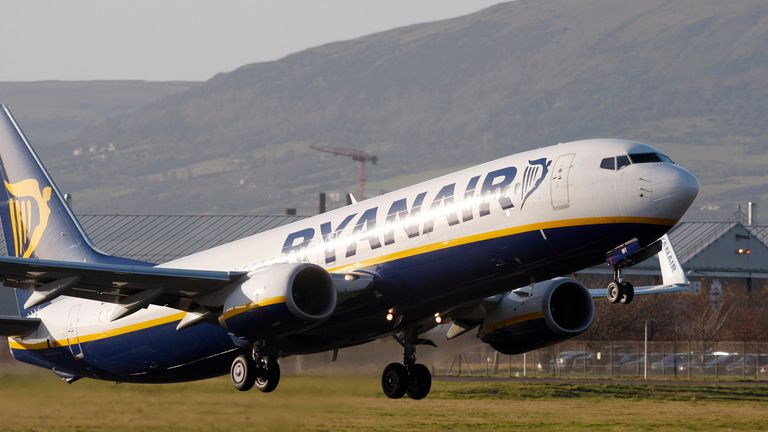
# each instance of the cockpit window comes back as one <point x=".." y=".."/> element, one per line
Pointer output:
<point x="608" y="163"/>
<point x="621" y="162"/>
<point x="649" y="158"/>
<point x="665" y="158"/>
<point x="645" y="157"/>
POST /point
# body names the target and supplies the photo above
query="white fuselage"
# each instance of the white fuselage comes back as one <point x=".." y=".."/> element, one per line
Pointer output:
<point x="535" y="191"/>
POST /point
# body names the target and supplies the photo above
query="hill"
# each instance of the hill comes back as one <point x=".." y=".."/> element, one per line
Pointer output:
<point x="688" y="75"/>
<point x="51" y="111"/>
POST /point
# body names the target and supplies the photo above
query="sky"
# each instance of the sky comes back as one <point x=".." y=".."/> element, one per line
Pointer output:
<point x="187" y="39"/>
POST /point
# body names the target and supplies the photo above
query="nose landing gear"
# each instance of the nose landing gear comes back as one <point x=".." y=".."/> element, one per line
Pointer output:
<point x="619" y="291"/>
<point x="409" y="377"/>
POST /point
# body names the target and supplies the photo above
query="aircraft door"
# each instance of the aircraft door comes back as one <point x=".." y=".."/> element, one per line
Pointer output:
<point x="73" y="340"/>
<point x="559" y="184"/>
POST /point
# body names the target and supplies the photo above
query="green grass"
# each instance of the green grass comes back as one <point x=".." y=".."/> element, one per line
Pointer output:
<point x="34" y="403"/>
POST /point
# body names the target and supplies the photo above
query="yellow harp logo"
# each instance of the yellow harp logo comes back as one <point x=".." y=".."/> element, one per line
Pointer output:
<point x="29" y="214"/>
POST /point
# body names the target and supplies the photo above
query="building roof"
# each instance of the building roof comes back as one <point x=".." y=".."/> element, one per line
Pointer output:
<point x="761" y="232"/>
<point x="690" y="238"/>
<point x="162" y="238"/>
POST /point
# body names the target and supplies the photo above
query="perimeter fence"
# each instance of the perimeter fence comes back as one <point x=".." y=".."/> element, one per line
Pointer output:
<point x="659" y="360"/>
<point x="701" y="361"/>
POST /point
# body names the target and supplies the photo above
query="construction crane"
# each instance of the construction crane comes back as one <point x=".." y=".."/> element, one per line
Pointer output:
<point x="358" y="156"/>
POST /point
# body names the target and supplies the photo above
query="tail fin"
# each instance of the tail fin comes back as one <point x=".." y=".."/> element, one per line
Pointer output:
<point x="37" y="223"/>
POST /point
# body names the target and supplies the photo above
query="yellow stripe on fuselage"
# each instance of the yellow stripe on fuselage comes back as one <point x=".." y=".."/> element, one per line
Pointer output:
<point x="16" y="344"/>
<point x="237" y="310"/>
<point x="498" y="234"/>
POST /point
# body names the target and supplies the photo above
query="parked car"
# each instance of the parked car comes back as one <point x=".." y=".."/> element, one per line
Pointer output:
<point x="567" y="360"/>
<point x="718" y="361"/>
<point x="636" y="366"/>
<point x="677" y="362"/>
<point x="748" y="364"/>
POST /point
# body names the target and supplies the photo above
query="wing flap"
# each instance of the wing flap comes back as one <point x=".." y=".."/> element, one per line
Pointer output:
<point x="113" y="283"/>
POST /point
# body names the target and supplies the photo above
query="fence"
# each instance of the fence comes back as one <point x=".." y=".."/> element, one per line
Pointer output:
<point x="598" y="360"/>
<point x="665" y="360"/>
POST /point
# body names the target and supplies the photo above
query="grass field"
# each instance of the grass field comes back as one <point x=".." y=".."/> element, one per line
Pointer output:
<point x="354" y="403"/>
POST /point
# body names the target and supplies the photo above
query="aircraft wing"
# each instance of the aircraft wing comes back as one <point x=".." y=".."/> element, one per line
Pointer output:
<point x="672" y="274"/>
<point x="131" y="286"/>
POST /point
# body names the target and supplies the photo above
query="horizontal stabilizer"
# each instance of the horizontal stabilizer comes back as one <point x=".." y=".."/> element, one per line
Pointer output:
<point x="17" y="326"/>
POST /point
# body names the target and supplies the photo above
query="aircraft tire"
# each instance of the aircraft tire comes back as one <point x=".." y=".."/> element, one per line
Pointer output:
<point x="628" y="293"/>
<point x="614" y="292"/>
<point x="270" y="378"/>
<point x="394" y="380"/>
<point x="242" y="373"/>
<point x="420" y="382"/>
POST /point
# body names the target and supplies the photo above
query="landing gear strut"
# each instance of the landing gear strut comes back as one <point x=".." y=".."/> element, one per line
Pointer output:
<point x="619" y="291"/>
<point x="257" y="369"/>
<point x="409" y="377"/>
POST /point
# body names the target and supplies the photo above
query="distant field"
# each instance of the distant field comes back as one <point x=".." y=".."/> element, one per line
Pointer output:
<point x="344" y="403"/>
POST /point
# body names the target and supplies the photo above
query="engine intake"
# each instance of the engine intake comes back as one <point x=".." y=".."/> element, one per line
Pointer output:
<point x="312" y="295"/>
<point x="279" y="300"/>
<point x="556" y="310"/>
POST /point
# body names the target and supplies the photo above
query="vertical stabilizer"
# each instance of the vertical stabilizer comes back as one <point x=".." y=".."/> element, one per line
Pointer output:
<point x="37" y="223"/>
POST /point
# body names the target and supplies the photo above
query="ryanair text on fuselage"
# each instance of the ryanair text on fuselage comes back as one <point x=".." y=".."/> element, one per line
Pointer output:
<point x="406" y="213"/>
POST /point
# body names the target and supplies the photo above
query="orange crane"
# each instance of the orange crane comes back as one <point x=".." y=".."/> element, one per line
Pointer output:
<point x="358" y="156"/>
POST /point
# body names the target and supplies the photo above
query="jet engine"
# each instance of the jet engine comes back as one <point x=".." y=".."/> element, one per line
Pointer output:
<point x="278" y="300"/>
<point x="526" y="319"/>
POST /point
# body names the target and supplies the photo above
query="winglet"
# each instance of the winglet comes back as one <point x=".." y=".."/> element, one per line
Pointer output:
<point x="671" y="270"/>
<point x="672" y="274"/>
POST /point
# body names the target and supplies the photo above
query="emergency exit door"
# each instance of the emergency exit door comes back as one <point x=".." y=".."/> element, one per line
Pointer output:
<point x="559" y="185"/>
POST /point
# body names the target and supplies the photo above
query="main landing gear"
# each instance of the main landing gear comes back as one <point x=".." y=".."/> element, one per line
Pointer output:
<point x="409" y="377"/>
<point x="619" y="291"/>
<point x="257" y="369"/>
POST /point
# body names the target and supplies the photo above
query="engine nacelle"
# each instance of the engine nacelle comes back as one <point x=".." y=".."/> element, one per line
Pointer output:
<point x="278" y="300"/>
<point x="557" y="310"/>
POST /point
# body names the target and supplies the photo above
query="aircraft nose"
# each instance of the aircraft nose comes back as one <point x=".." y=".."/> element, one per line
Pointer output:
<point x="674" y="189"/>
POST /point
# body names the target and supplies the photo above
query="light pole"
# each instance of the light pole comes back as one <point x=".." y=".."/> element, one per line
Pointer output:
<point x="645" y="351"/>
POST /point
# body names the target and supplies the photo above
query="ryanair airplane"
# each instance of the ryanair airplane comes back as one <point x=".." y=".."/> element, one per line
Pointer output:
<point x="484" y="248"/>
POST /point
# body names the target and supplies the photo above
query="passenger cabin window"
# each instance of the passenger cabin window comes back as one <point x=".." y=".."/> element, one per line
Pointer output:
<point x="622" y="161"/>
<point x="608" y="163"/>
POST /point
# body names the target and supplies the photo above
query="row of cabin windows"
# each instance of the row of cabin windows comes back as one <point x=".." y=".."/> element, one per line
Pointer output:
<point x="619" y="162"/>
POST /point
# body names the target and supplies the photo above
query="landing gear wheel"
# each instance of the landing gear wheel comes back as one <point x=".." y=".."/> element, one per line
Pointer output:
<point x="420" y="382"/>
<point x="627" y="293"/>
<point x="243" y="373"/>
<point x="394" y="380"/>
<point x="614" y="292"/>
<point x="269" y="376"/>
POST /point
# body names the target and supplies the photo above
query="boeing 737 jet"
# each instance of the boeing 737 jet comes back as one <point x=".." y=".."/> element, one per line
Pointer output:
<point x="482" y="249"/>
